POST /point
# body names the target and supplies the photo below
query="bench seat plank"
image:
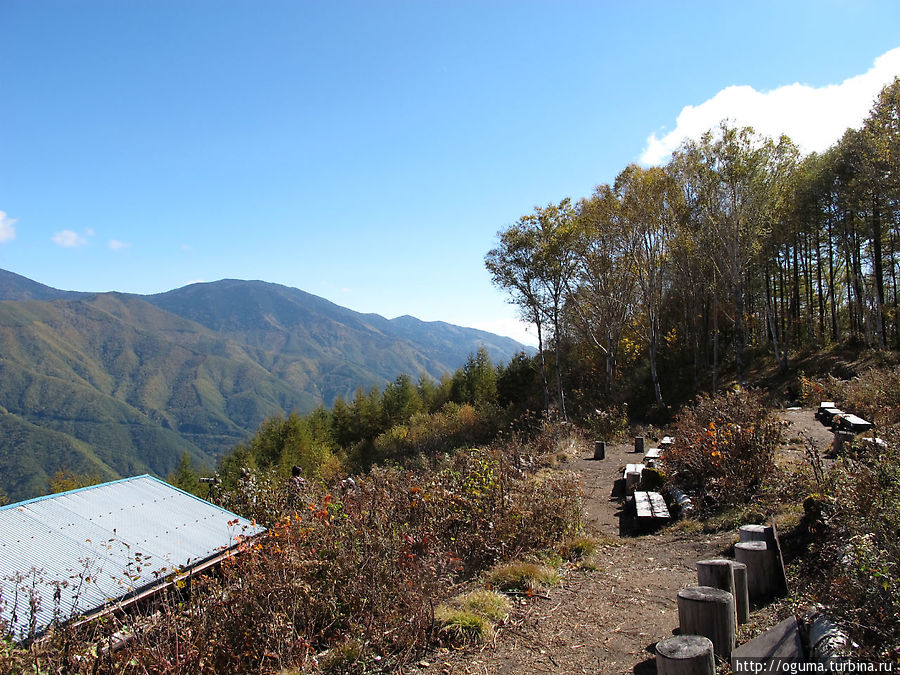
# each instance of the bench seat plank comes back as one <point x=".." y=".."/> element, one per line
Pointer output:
<point x="650" y="505"/>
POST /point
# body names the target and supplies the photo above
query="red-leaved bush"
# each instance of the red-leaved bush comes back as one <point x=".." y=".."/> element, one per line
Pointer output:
<point x="724" y="449"/>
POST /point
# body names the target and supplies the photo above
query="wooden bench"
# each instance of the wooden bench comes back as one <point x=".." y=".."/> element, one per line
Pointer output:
<point x="826" y="415"/>
<point x="779" y="644"/>
<point x="667" y="440"/>
<point x="653" y="453"/>
<point x="822" y="406"/>
<point x="650" y="505"/>
<point x="848" y="422"/>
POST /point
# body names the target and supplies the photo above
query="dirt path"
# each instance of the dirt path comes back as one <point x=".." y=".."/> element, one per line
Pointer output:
<point x="603" y="620"/>
<point x="608" y="619"/>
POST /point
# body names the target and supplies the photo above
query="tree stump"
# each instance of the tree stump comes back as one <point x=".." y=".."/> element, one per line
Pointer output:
<point x="840" y="439"/>
<point x="756" y="533"/>
<point x="760" y="562"/>
<point x="718" y="574"/>
<point x="639" y="444"/>
<point x="685" y="655"/>
<point x="632" y="480"/>
<point x="708" y="611"/>
<point x="730" y="576"/>
<point x="599" y="450"/>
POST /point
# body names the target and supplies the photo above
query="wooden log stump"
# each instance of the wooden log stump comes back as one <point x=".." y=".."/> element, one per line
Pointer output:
<point x="632" y="481"/>
<point x="756" y="533"/>
<point x="717" y="573"/>
<point x="708" y="611"/>
<point x="730" y="576"/>
<point x="760" y="562"/>
<point x="639" y="444"/>
<point x="841" y="438"/>
<point x="599" y="449"/>
<point x="685" y="655"/>
<point x="768" y="534"/>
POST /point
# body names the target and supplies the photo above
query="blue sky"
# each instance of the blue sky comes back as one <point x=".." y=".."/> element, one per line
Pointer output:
<point x="369" y="152"/>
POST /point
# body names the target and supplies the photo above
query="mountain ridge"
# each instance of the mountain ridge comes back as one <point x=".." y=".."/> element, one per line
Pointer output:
<point x="115" y="383"/>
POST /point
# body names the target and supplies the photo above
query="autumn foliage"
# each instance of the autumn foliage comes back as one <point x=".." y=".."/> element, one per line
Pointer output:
<point x="345" y="580"/>
<point x="724" y="449"/>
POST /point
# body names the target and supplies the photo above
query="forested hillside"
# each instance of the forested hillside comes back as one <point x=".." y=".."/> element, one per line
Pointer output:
<point x="672" y="279"/>
<point x="111" y="385"/>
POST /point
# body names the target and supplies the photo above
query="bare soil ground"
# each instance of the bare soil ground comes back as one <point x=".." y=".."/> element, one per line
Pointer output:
<point x="608" y="619"/>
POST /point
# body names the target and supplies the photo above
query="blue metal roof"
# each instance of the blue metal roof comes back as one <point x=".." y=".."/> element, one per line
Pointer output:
<point x="71" y="554"/>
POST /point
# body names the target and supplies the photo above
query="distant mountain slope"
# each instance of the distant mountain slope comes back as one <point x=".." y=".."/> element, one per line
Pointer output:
<point x="16" y="287"/>
<point x="292" y="323"/>
<point x="118" y="384"/>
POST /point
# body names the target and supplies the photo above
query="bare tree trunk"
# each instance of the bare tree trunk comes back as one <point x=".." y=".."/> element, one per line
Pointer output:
<point x="715" y="365"/>
<point x="654" y="374"/>
<point x="832" y="289"/>
<point x="546" y="386"/>
<point x="821" y="298"/>
<point x="894" y="285"/>
<point x="559" y="383"/>
<point x="879" y="272"/>
<point x="782" y="362"/>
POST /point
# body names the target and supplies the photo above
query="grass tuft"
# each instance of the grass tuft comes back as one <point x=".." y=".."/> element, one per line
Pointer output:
<point x="522" y="577"/>
<point x="459" y="626"/>
<point x="489" y="604"/>
<point x="578" y="548"/>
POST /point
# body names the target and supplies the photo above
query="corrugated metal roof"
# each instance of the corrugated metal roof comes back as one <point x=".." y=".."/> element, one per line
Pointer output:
<point x="70" y="554"/>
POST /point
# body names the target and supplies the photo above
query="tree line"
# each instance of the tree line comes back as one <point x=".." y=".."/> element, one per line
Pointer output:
<point x="670" y="281"/>
<point x="739" y="246"/>
<point x="404" y="423"/>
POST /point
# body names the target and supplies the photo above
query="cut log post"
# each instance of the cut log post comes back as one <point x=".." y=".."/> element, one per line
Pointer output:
<point x="841" y="438"/>
<point x="730" y="576"/>
<point x="632" y="480"/>
<point x="639" y="444"/>
<point x="599" y="449"/>
<point x="756" y="533"/>
<point x="708" y="611"/>
<point x="768" y="534"/>
<point x="685" y="655"/>
<point x="718" y="574"/>
<point x="760" y="562"/>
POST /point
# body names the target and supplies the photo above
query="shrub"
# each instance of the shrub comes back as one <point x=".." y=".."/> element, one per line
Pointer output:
<point x="578" y="548"/>
<point x="609" y="424"/>
<point x="724" y="449"/>
<point x="873" y="394"/>
<point x="853" y="516"/>
<point x="345" y="578"/>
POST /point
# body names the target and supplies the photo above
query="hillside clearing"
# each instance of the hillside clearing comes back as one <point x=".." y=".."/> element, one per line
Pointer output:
<point x="608" y="619"/>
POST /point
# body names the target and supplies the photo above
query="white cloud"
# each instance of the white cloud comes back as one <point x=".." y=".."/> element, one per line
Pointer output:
<point x="814" y="117"/>
<point x="117" y="245"/>
<point x="7" y="231"/>
<point x="69" y="239"/>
